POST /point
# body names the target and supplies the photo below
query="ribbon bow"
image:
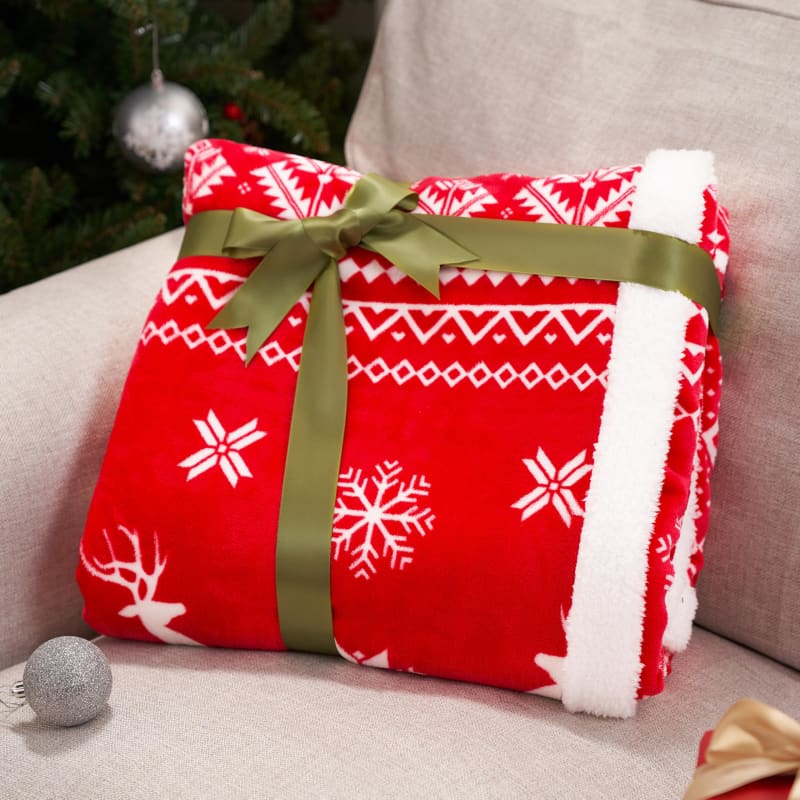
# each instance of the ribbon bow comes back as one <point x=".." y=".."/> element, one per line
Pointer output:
<point x="297" y="254"/>
<point x="752" y="741"/>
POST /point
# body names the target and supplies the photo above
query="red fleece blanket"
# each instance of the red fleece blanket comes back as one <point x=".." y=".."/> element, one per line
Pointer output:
<point x="523" y="493"/>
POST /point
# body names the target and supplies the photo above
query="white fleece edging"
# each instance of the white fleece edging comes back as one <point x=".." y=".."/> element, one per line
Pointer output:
<point x="605" y="623"/>
<point x="681" y="595"/>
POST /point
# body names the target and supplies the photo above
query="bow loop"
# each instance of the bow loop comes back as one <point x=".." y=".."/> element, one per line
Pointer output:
<point x="252" y="235"/>
<point x="295" y="252"/>
<point x="752" y="741"/>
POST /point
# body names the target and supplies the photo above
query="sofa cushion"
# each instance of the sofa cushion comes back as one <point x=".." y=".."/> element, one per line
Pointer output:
<point x="460" y="86"/>
<point x="65" y="345"/>
<point x="189" y="722"/>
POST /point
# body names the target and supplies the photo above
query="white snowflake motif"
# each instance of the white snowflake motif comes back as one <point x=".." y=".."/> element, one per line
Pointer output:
<point x="223" y="449"/>
<point x="553" y="486"/>
<point x="379" y="510"/>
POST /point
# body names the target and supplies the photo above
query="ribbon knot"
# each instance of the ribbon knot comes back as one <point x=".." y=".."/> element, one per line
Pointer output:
<point x="295" y="253"/>
<point x="336" y="234"/>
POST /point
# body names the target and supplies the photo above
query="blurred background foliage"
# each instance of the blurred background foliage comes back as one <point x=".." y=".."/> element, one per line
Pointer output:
<point x="283" y="74"/>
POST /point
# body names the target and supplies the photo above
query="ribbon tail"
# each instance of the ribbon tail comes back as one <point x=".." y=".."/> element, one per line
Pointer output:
<point x="274" y="286"/>
<point x="311" y="476"/>
<point x="417" y="249"/>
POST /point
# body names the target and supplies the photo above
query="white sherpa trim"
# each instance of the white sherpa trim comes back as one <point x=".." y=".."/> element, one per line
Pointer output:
<point x="681" y="595"/>
<point x="604" y="628"/>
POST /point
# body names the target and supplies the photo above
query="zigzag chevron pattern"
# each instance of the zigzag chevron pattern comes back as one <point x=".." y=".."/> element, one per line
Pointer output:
<point x="422" y="321"/>
<point x="378" y="369"/>
<point x="476" y="322"/>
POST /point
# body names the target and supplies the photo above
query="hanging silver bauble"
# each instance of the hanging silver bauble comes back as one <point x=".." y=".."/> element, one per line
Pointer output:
<point x="157" y="122"/>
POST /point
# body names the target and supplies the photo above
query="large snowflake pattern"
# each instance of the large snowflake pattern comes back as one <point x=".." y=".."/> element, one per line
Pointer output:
<point x="376" y="514"/>
<point x="222" y="449"/>
<point x="554" y="487"/>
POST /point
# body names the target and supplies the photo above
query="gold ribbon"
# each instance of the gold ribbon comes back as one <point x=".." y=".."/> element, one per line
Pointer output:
<point x="298" y="254"/>
<point x="752" y="741"/>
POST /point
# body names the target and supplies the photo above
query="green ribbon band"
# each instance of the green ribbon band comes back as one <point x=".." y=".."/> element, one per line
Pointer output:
<point x="298" y="254"/>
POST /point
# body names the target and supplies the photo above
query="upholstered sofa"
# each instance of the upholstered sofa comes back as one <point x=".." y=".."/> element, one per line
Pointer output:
<point x="455" y="87"/>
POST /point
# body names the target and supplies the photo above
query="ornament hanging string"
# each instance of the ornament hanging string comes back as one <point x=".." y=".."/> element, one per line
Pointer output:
<point x="14" y="697"/>
<point x="157" y="122"/>
<point x="156" y="76"/>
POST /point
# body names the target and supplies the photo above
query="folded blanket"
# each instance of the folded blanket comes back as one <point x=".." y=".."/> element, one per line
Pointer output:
<point x="524" y="483"/>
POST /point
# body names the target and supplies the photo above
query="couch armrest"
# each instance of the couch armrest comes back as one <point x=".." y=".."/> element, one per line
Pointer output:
<point x="65" y="346"/>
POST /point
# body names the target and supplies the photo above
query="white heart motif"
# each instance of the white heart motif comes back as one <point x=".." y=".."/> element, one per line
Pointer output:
<point x="449" y="337"/>
<point x="191" y="299"/>
<point x="398" y="335"/>
<point x="550" y="337"/>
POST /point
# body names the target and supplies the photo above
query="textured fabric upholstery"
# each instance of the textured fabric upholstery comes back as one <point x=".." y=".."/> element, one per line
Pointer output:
<point x="467" y="87"/>
<point x="65" y="348"/>
<point x="196" y="723"/>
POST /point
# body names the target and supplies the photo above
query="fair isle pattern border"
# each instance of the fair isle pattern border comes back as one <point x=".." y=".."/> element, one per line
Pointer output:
<point x="422" y="320"/>
<point x="378" y="369"/>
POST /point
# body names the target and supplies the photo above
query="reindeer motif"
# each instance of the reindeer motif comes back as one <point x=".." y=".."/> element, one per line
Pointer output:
<point x="155" y="615"/>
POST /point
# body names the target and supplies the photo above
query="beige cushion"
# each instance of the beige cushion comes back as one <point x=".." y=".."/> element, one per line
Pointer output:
<point x="465" y="87"/>
<point x="196" y="723"/>
<point x="65" y="348"/>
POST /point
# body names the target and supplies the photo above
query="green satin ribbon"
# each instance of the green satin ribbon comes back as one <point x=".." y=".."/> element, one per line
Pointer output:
<point x="298" y="254"/>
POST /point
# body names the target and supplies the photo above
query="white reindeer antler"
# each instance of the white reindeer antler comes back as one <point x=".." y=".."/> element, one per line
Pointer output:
<point x="155" y="615"/>
<point x="141" y="577"/>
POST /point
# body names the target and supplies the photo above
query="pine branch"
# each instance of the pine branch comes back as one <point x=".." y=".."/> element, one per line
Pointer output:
<point x="173" y="17"/>
<point x="205" y="72"/>
<point x="35" y="202"/>
<point x="63" y="189"/>
<point x="134" y="10"/>
<point x="223" y="128"/>
<point x="97" y="233"/>
<point x="15" y="263"/>
<point x="57" y="10"/>
<point x="81" y="109"/>
<point x="288" y="112"/>
<point x="267" y="26"/>
<point x="64" y="64"/>
<point x="85" y="122"/>
<point x="131" y="53"/>
<point x="9" y="72"/>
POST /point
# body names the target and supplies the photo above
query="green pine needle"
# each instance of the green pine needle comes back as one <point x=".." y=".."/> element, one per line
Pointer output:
<point x="133" y="10"/>
<point x="35" y="202"/>
<point x="9" y="72"/>
<point x="15" y="262"/>
<point x="66" y="192"/>
<point x="266" y="27"/>
<point x="288" y="112"/>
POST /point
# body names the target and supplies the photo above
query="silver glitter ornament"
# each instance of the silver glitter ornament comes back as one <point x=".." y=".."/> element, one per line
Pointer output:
<point x="67" y="681"/>
<point x="157" y="122"/>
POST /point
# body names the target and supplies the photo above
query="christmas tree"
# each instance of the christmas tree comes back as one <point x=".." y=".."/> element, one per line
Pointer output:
<point x="270" y="73"/>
